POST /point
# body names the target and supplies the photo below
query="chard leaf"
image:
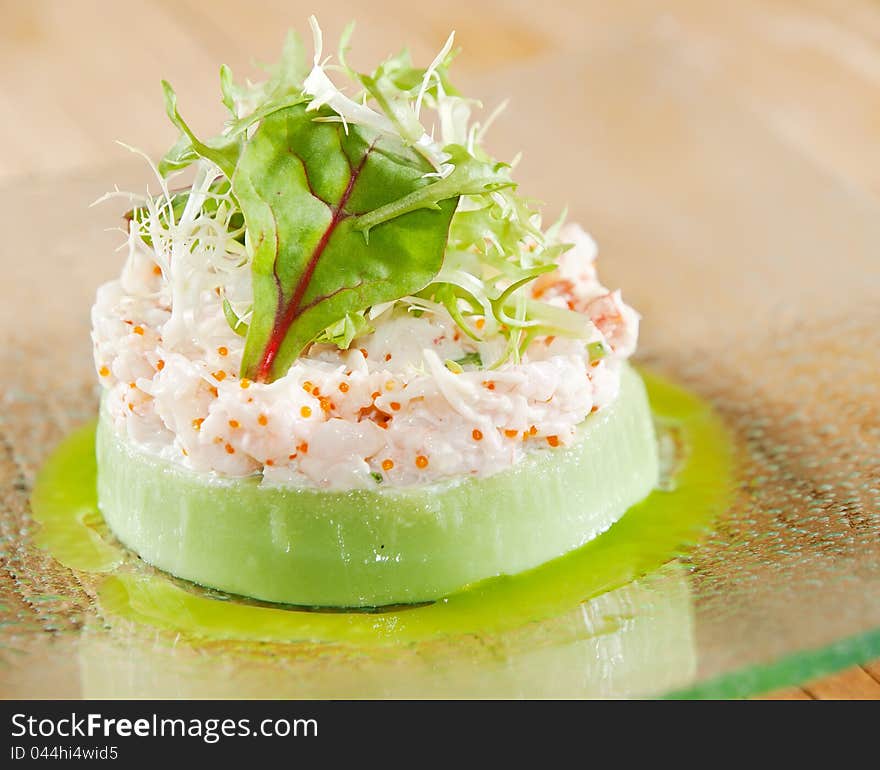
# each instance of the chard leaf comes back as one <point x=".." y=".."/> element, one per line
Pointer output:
<point x="302" y="185"/>
<point x="470" y="176"/>
<point x="236" y="128"/>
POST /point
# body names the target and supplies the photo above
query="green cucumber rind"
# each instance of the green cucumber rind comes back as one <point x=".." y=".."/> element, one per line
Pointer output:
<point x="385" y="546"/>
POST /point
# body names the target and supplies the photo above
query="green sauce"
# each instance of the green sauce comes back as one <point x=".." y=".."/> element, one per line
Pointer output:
<point x="65" y="504"/>
<point x="650" y="534"/>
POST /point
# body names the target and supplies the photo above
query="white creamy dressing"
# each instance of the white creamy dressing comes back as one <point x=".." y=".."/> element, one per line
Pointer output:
<point x="388" y="408"/>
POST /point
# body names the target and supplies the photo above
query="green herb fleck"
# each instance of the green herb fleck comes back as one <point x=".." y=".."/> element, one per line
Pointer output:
<point x="472" y="359"/>
<point x="597" y="350"/>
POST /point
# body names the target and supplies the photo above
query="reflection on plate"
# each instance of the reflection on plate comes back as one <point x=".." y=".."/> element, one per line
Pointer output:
<point x="610" y="646"/>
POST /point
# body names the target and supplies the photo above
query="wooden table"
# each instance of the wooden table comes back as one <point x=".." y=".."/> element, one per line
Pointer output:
<point x="78" y="74"/>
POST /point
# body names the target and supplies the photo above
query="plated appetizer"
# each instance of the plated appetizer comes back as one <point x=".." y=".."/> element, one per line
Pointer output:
<point x="345" y="362"/>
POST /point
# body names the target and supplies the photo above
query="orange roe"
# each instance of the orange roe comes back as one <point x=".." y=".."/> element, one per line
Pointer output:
<point x="219" y="376"/>
<point x="343" y="386"/>
<point x="364" y="352"/>
<point x="304" y="447"/>
<point x="387" y="465"/>
<point x="262" y="419"/>
<point x="245" y="382"/>
<point x="477" y="434"/>
<point x="157" y="270"/>
<point x="233" y="423"/>
<point x="307" y="386"/>
<point x="197" y="423"/>
<point x="230" y="449"/>
<point x="421" y="462"/>
<point x="269" y="463"/>
<point x="306" y="411"/>
<point x="138" y="330"/>
<point x="395" y="406"/>
<point x="223" y="350"/>
<point x="104" y="371"/>
<point x="160" y="365"/>
<point x="553" y="440"/>
<point x="510" y="433"/>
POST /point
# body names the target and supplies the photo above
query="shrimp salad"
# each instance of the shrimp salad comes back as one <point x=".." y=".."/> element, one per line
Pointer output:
<point x="388" y="407"/>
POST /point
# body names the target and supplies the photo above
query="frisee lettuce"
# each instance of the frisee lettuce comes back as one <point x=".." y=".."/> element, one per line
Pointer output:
<point x="345" y="203"/>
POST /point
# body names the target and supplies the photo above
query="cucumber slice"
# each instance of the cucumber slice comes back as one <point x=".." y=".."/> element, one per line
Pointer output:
<point x="385" y="546"/>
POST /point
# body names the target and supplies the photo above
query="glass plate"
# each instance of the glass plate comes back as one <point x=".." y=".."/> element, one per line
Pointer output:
<point x="756" y="272"/>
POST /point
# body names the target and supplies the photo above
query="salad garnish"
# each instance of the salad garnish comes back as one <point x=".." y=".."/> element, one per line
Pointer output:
<point x="319" y="211"/>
